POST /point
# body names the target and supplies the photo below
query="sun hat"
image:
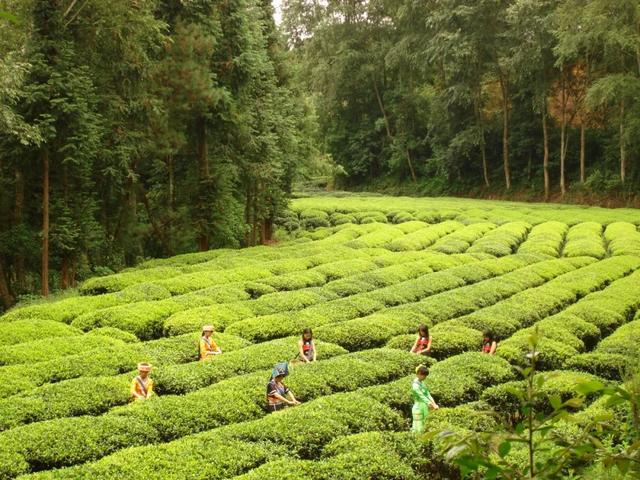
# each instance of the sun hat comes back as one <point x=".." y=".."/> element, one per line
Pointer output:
<point x="144" y="367"/>
<point x="208" y="328"/>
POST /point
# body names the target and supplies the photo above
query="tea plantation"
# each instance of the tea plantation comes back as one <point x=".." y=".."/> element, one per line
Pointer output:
<point x="363" y="272"/>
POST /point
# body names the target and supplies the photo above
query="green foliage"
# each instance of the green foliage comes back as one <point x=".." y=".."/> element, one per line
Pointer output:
<point x="21" y="331"/>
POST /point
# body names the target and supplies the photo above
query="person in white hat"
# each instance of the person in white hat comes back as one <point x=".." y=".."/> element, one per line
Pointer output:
<point x="142" y="385"/>
<point x="208" y="346"/>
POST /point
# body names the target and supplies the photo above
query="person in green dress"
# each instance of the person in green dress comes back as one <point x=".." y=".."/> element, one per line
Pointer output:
<point x="422" y="400"/>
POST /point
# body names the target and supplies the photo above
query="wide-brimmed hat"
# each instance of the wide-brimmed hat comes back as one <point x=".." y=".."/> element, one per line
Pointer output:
<point x="144" y="367"/>
<point x="280" y="369"/>
<point x="208" y="328"/>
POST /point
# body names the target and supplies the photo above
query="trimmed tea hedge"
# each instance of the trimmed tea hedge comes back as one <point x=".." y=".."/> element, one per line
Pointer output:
<point x="107" y="361"/>
<point x="585" y="239"/>
<point x="623" y="238"/>
<point x="460" y="240"/>
<point x="503" y="240"/>
<point x="423" y="238"/>
<point x="58" y="443"/>
<point x="545" y="238"/>
<point x="94" y="395"/>
<point x="302" y="431"/>
<point x="50" y="348"/>
<point x="21" y="331"/>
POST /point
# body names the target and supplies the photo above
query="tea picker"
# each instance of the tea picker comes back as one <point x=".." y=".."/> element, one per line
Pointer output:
<point x="279" y="396"/>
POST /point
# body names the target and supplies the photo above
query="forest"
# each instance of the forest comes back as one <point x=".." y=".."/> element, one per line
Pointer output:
<point x="132" y="129"/>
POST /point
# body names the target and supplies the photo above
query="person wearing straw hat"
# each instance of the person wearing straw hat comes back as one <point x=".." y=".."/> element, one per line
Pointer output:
<point x="142" y="385"/>
<point x="278" y="394"/>
<point x="208" y="346"/>
<point x="422" y="400"/>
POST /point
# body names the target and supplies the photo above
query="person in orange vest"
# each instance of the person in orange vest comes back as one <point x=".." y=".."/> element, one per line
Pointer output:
<point x="142" y="385"/>
<point x="208" y="346"/>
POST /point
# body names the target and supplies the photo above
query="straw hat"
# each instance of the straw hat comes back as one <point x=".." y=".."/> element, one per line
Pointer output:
<point x="208" y="328"/>
<point x="144" y="367"/>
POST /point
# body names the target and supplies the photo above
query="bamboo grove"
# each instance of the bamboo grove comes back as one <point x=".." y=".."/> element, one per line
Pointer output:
<point x="460" y="95"/>
<point x="131" y="129"/>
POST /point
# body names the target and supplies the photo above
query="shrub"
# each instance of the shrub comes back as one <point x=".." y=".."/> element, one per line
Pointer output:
<point x="464" y="416"/>
<point x="345" y="268"/>
<point x="120" y="281"/>
<point x="297" y="280"/>
<point x="585" y="331"/>
<point x="143" y="319"/>
<point x="378" y="238"/>
<point x="95" y="395"/>
<point x="503" y="240"/>
<point x="553" y="353"/>
<point x="460" y="240"/>
<point x="370" y="217"/>
<point x="192" y="320"/>
<point x="462" y="378"/>
<point x="49" y="348"/>
<point x="424" y="237"/>
<point x="107" y="361"/>
<point x="402" y="217"/>
<point x="342" y="218"/>
<point x="190" y="282"/>
<point x="449" y="338"/>
<point x="624" y="341"/>
<point x="585" y="239"/>
<point x="183" y="378"/>
<point x="233" y="450"/>
<point x="58" y="443"/>
<point x="288" y="301"/>
<point x="611" y="366"/>
<point x="114" y="333"/>
<point x="623" y="238"/>
<point x="312" y="218"/>
<point x="558" y="382"/>
<point x="143" y="291"/>
<point x="63" y="310"/>
<point x="545" y="238"/>
<point x="21" y="331"/>
<point x="55" y="443"/>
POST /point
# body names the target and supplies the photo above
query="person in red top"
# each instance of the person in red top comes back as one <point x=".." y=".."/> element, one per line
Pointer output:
<point x="422" y="345"/>
<point x="489" y="343"/>
<point x="306" y="346"/>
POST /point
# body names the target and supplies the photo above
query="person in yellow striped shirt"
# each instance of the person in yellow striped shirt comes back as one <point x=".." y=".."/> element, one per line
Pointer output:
<point x="142" y="385"/>
<point x="208" y="346"/>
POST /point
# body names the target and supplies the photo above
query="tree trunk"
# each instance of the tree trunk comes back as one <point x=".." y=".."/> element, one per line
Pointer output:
<point x="582" y="152"/>
<point x="623" y="147"/>
<point x="203" y="168"/>
<point x="563" y="135"/>
<point x="18" y="219"/>
<point x="388" y="129"/>
<point x="157" y="230"/>
<point x="254" y="220"/>
<point x="5" y="294"/>
<point x="505" y="133"/>
<point x="545" y="160"/>
<point x="247" y="216"/>
<point x="171" y="192"/>
<point x="483" y="150"/>
<point x="45" y="223"/>
<point x="64" y="273"/>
